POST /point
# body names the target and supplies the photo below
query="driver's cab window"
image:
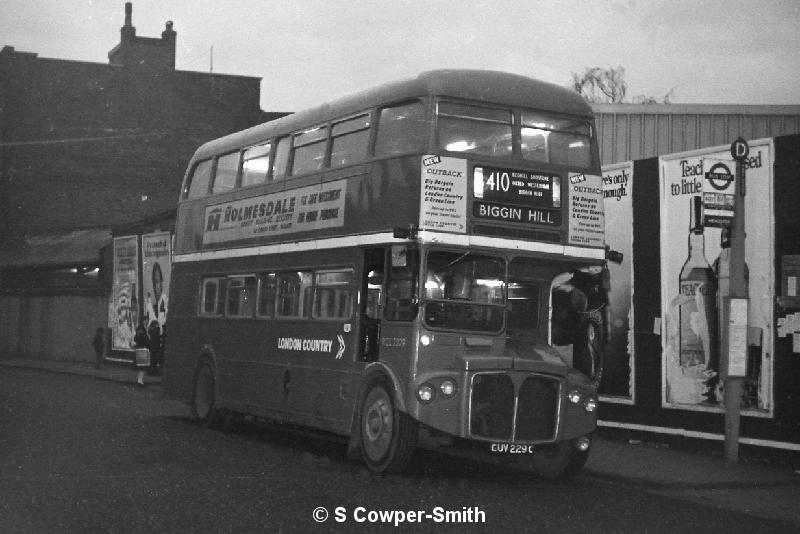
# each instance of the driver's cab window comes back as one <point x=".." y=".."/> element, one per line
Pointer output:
<point x="529" y="284"/>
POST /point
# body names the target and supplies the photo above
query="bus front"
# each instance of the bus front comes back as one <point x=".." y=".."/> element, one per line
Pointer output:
<point x="510" y="253"/>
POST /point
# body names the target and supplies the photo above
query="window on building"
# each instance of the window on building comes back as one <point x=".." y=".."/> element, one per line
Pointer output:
<point x="213" y="291"/>
<point x="241" y="296"/>
<point x="227" y="172"/>
<point x="350" y="141"/>
<point x="198" y="183"/>
<point x="401" y="129"/>
<point x="309" y="150"/>
<point x="255" y="165"/>
<point x="294" y="294"/>
<point x="333" y="294"/>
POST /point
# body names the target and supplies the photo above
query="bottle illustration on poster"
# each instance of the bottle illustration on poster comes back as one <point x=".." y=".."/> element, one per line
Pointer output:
<point x="697" y="300"/>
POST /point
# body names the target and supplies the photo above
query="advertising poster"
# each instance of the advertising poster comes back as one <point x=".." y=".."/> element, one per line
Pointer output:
<point x="156" y="270"/>
<point x="618" y="375"/>
<point x="586" y="226"/>
<point x="694" y="279"/>
<point x="443" y="195"/>
<point x="299" y="210"/>
<point x="125" y="293"/>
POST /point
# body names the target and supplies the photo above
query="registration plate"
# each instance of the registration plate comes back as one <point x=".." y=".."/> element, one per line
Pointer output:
<point x="511" y="448"/>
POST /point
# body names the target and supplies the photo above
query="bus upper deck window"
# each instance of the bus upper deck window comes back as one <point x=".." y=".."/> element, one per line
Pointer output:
<point x="564" y="141"/>
<point x="199" y="181"/>
<point x="350" y="140"/>
<point x="309" y="150"/>
<point x="279" y="166"/>
<point x="255" y="165"/>
<point x="401" y="129"/>
<point x="227" y="172"/>
<point x="474" y="129"/>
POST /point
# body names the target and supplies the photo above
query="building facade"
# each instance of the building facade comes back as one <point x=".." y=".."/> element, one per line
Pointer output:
<point x="86" y="148"/>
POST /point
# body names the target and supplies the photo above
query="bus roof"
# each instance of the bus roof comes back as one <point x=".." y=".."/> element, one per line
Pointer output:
<point x="483" y="85"/>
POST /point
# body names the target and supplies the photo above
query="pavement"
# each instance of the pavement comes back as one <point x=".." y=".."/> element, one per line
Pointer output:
<point x="770" y="490"/>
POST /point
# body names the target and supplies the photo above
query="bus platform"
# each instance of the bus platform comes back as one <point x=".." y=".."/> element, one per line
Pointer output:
<point x="766" y="488"/>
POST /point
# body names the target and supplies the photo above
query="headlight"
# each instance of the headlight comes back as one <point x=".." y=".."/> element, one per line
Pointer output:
<point x="447" y="387"/>
<point x="575" y="396"/>
<point x="590" y="404"/>
<point x="425" y="392"/>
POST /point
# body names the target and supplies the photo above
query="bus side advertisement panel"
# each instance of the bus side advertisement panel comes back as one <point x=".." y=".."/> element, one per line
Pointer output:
<point x="299" y="210"/>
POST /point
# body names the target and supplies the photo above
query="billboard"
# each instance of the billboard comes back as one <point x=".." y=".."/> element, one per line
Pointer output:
<point x="694" y="279"/>
<point x="156" y="271"/>
<point x="125" y="292"/>
<point x="618" y="375"/>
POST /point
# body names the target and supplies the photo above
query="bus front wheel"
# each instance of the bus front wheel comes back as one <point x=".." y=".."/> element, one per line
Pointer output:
<point x="204" y="393"/>
<point x="562" y="460"/>
<point x="388" y="436"/>
<point x="588" y="350"/>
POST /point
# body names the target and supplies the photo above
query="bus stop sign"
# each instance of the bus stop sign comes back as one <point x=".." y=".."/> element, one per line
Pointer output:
<point x="718" y="196"/>
<point x="739" y="149"/>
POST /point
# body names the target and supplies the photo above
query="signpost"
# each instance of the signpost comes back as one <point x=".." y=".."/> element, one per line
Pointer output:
<point x="734" y="345"/>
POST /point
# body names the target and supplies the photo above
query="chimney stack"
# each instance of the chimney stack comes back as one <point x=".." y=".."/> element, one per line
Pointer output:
<point x="128" y="32"/>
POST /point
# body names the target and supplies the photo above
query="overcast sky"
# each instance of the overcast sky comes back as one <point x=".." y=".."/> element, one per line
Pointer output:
<point x="309" y="51"/>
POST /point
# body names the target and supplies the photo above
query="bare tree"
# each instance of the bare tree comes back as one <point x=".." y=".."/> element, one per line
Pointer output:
<point x="644" y="99"/>
<point x="601" y="86"/>
<point x="607" y="86"/>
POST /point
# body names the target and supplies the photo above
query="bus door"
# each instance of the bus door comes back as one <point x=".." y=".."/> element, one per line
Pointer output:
<point x="396" y="330"/>
<point x="373" y="283"/>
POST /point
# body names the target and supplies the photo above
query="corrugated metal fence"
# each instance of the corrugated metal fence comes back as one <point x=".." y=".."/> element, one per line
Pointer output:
<point x="638" y="131"/>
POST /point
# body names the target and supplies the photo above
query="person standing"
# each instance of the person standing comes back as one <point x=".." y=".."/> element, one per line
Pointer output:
<point x="99" y="343"/>
<point x="156" y="348"/>
<point x="142" y="355"/>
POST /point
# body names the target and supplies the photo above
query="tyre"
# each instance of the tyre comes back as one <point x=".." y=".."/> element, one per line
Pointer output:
<point x="204" y="393"/>
<point x="588" y="349"/>
<point x="562" y="460"/>
<point x="388" y="437"/>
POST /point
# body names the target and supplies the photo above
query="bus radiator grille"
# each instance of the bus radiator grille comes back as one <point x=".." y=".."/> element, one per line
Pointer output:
<point x="492" y="408"/>
<point x="537" y="409"/>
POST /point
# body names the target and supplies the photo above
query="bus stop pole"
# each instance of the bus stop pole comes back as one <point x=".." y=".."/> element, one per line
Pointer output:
<point x="738" y="290"/>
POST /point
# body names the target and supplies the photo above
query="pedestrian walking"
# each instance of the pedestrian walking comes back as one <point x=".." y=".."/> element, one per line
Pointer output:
<point x="99" y="343"/>
<point x="141" y="344"/>
<point x="156" y="348"/>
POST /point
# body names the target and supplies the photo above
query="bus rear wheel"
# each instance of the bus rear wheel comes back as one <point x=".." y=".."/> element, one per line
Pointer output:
<point x="204" y="393"/>
<point x="388" y="436"/>
<point x="562" y="460"/>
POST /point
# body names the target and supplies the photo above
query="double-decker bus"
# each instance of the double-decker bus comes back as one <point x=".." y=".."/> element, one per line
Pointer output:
<point x="415" y="265"/>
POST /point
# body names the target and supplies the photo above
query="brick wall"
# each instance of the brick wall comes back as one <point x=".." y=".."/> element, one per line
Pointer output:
<point x="87" y="145"/>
